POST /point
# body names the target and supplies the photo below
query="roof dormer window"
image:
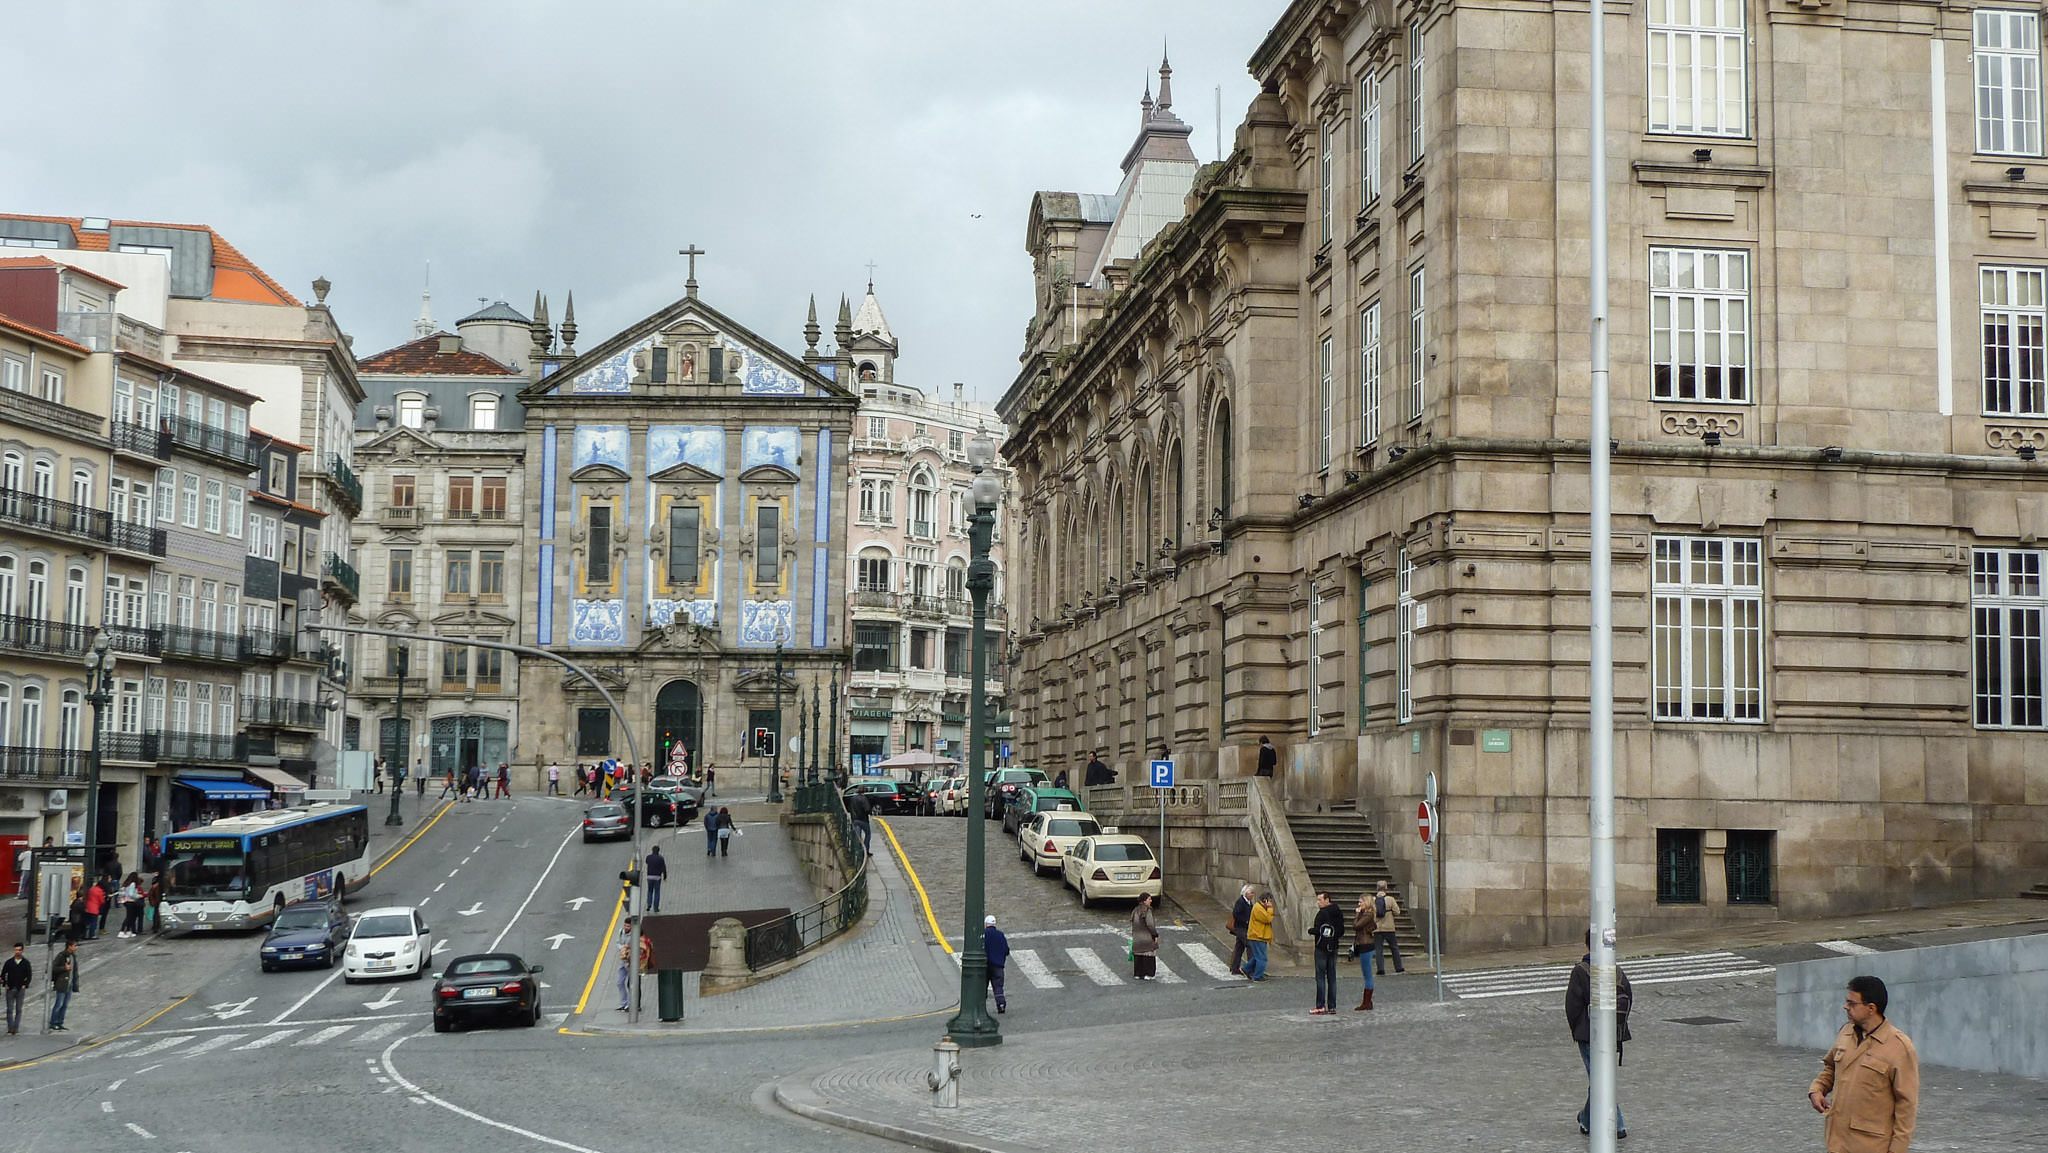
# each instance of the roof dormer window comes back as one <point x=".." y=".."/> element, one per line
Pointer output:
<point x="412" y="410"/>
<point x="483" y="411"/>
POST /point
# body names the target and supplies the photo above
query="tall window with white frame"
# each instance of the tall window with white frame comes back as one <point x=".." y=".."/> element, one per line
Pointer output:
<point x="1699" y="325"/>
<point x="1404" y="638"/>
<point x="1315" y="659"/>
<point x="2005" y="50"/>
<point x="1368" y="139"/>
<point x="1698" y="84"/>
<point x="1707" y="618"/>
<point x="2006" y="609"/>
<point x="1324" y="391"/>
<point x="1369" y="374"/>
<point x="2015" y="359"/>
<point x="1416" y="103"/>
<point x="1327" y="165"/>
<point x="1418" y="336"/>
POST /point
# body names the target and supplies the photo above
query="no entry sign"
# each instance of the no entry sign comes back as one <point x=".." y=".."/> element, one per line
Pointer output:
<point x="1425" y="822"/>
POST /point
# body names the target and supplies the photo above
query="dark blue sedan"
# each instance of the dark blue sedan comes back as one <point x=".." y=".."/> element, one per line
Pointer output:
<point x="305" y="933"/>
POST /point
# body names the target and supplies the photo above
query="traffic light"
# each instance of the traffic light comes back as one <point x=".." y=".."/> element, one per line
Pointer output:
<point x="630" y="877"/>
<point x="764" y="742"/>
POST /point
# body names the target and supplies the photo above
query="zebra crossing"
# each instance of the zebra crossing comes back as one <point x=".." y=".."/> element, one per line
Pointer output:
<point x="1089" y="966"/>
<point x="178" y="1046"/>
<point x="1531" y="980"/>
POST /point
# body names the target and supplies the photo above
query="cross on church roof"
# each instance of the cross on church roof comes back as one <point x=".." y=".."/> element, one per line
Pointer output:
<point x="693" y="252"/>
<point x="871" y="276"/>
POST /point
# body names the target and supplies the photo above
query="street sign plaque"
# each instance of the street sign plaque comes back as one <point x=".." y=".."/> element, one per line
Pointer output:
<point x="1162" y="774"/>
<point x="1425" y="821"/>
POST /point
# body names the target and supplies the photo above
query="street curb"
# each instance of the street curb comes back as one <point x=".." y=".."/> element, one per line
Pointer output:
<point x="799" y="1096"/>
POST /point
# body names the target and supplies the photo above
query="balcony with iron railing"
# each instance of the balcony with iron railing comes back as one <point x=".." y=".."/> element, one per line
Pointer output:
<point x="33" y="636"/>
<point x="181" y="643"/>
<point x="874" y="599"/>
<point x="208" y="440"/>
<point x="283" y="712"/>
<point x="182" y="747"/>
<point x="345" y="481"/>
<point x="139" y="748"/>
<point x="20" y="763"/>
<point x="62" y="520"/>
<point x="342" y="575"/>
<point x="135" y="642"/>
<point x="922" y="605"/>
<point x="266" y="645"/>
<point x="139" y="439"/>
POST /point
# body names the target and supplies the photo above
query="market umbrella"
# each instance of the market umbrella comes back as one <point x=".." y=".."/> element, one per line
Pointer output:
<point x="915" y="759"/>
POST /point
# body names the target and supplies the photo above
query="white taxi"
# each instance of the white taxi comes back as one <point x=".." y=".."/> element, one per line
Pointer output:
<point x="387" y="942"/>
<point x="1111" y="865"/>
<point x="1044" y="838"/>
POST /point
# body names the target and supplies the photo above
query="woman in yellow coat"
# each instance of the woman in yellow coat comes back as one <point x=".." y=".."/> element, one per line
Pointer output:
<point x="1260" y="937"/>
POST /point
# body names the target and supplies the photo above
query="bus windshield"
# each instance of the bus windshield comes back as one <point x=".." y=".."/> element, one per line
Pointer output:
<point x="202" y="869"/>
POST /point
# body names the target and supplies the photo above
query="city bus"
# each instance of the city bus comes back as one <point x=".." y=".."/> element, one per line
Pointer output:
<point x="238" y="872"/>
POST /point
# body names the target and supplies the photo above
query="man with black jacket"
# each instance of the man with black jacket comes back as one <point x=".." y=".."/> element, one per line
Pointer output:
<point x="1328" y="932"/>
<point x="63" y="983"/>
<point x="1240" y="924"/>
<point x="1578" y="996"/>
<point x="15" y="975"/>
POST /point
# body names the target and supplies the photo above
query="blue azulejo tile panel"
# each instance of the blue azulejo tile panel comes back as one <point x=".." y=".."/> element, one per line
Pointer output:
<point x="662" y="613"/>
<point x="759" y="376"/>
<point x="545" y="616"/>
<point x="669" y="445"/>
<point x="605" y="444"/>
<point x="612" y="375"/>
<point x="548" y="440"/>
<point x="597" y="622"/>
<point x="830" y="372"/>
<point x="762" y="623"/>
<point x="819" y="562"/>
<point x="823" y="469"/>
<point x="778" y="446"/>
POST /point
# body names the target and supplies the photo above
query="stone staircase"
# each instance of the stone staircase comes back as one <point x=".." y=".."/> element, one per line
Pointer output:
<point x="1343" y="856"/>
<point x="2037" y="893"/>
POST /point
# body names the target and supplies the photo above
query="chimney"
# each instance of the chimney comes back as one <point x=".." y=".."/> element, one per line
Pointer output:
<point x="959" y="395"/>
<point x="451" y="343"/>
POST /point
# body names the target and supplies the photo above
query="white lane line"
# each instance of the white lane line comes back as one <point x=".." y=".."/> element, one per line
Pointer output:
<point x="160" y="1046"/>
<point x="1165" y="975"/>
<point x="441" y="886"/>
<point x="1028" y="963"/>
<point x="109" y="1047"/>
<point x="214" y="1042"/>
<point x="266" y="1039"/>
<point x="465" y="860"/>
<point x="148" y="1068"/>
<point x="379" y="1032"/>
<point x="139" y="1131"/>
<point x="451" y="876"/>
<point x="324" y="1035"/>
<point x="118" y="1082"/>
<point x="1208" y="962"/>
<point x="536" y="888"/>
<point x="1849" y="947"/>
<point x="317" y="990"/>
<point x="418" y="1094"/>
<point x="1092" y="967"/>
<point x="106" y="1106"/>
<point x="1633" y="981"/>
<point x="1089" y="931"/>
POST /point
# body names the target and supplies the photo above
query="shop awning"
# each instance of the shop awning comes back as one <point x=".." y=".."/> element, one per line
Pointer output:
<point x="218" y="790"/>
<point x="277" y="779"/>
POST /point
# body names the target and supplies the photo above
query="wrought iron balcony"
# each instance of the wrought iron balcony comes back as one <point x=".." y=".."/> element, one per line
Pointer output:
<point x="136" y="642"/>
<point x="139" y="747"/>
<point x="140" y="439"/>
<point x="283" y="712"/>
<point x="343" y="575"/>
<point x="37" y="637"/>
<point x="202" y="645"/>
<point x="63" y="520"/>
<point x="918" y="604"/>
<point x="200" y="748"/>
<point x="56" y="766"/>
<point x="139" y="538"/>
<point x="873" y="599"/>
<point x="266" y="645"/>
<point x="344" y="479"/>
<point x="207" y="440"/>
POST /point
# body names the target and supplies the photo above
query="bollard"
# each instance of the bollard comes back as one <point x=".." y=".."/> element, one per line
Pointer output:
<point x="945" y="1075"/>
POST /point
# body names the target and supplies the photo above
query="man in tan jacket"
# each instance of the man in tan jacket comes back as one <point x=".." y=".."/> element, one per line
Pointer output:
<point x="1874" y="1072"/>
<point x="1386" y="935"/>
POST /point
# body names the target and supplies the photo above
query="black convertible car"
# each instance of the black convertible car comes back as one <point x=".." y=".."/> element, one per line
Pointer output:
<point x="500" y="986"/>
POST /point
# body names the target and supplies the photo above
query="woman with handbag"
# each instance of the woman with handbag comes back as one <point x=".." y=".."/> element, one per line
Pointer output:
<point x="131" y="906"/>
<point x="1144" y="940"/>
<point x="726" y="831"/>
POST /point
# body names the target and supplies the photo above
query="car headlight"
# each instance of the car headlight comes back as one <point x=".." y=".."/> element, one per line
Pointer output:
<point x="352" y="952"/>
<point x="409" y="946"/>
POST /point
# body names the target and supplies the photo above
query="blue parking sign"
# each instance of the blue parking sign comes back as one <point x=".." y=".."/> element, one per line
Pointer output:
<point x="1162" y="774"/>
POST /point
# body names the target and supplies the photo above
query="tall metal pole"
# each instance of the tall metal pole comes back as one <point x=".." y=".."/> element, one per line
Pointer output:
<point x="817" y="735"/>
<point x="1601" y="801"/>
<point x="99" y="685"/>
<point x="703" y="752"/>
<point x="832" y="763"/>
<point x="775" y="768"/>
<point x="404" y="734"/>
<point x="972" y="1027"/>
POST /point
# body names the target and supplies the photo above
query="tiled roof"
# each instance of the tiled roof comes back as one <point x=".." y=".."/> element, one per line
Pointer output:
<point x="423" y="357"/>
<point x="226" y="257"/>
<point x="497" y="310"/>
<point x="14" y="325"/>
<point x="46" y="262"/>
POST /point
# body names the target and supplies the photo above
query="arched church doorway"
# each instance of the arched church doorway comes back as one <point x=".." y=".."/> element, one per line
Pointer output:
<point x="678" y="717"/>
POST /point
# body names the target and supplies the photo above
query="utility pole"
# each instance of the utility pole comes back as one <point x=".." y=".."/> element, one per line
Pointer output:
<point x="404" y="657"/>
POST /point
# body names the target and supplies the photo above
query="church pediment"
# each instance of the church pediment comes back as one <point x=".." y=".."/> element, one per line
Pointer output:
<point x="686" y="473"/>
<point x="697" y="345"/>
<point x="768" y="474"/>
<point x="397" y="620"/>
<point x="763" y="682"/>
<point x="476" y="618"/>
<point x="599" y="474"/>
<point x="404" y="444"/>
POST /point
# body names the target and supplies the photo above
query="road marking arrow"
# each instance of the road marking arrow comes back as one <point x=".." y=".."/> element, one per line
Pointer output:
<point x="227" y="1009"/>
<point x="473" y="910"/>
<point x="576" y="903"/>
<point x="439" y="947"/>
<point x="390" y="998"/>
<point x="555" y="942"/>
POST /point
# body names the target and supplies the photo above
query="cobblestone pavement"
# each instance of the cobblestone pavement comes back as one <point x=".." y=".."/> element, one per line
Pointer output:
<point x="1703" y="1073"/>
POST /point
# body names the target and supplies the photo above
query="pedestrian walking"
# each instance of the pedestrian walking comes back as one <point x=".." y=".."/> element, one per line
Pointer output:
<point x="377" y="774"/>
<point x="1240" y="924"/>
<point x="1578" y="997"/>
<point x="95" y="909"/>
<point x="726" y="831"/>
<point x="1144" y="940"/>
<point x="626" y="960"/>
<point x="657" y="872"/>
<point x="1328" y="932"/>
<point x="710" y="781"/>
<point x="1365" y="945"/>
<point x="1873" y="1072"/>
<point x="858" y="808"/>
<point x="16" y="974"/>
<point x="1259" y="936"/>
<point x="1386" y="932"/>
<point x="419" y="779"/>
<point x="1269" y="757"/>
<point x="997" y="948"/>
<point x="447" y="784"/>
<point x="504" y="780"/>
<point x="63" y="983"/>
<point x="76" y="913"/>
<point x="711" y="832"/>
<point x="398" y="778"/>
<point x="131" y="906"/>
<point x="554" y="779"/>
<point x="582" y="780"/>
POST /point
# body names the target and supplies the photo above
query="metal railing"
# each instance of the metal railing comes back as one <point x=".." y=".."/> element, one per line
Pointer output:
<point x="786" y="937"/>
<point x="873" y="599"/>
<point x="39" y="637"/>
<point x="142" y="439"/>
<point x="140" y="538"/>
<point x="47" y="514"/>
<point x="922" y="604"/>
<point x="26" y="763"/>
<point x="212" y="441"/>
<point x="128" y="747"/>
<point x="200" y="748"/>
<point x="283" y="711"/>
<point x="266" y="645"/>
<point x="345" y="479"/>
<point x="344" y="574"/>
<point x="202" y="645"/>
<point x="138" y="642"/>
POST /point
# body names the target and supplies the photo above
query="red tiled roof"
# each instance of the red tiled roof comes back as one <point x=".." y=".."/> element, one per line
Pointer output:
<point x="282" y="502"/>
<point x="226" y="257"/>
<point x="9" y="322"/>
<point x="277" y="440"/>
<point x="423" y="357"/>
<point x="46" y="262"/>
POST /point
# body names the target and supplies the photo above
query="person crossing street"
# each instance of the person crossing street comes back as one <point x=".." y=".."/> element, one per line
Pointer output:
<point x="657" y="872"/>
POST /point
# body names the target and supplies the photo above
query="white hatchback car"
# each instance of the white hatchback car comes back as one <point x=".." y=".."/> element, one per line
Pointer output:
<point x="387" y="942"/>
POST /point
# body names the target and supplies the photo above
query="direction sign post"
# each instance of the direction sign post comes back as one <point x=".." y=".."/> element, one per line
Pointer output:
<point x="1425" y="823"/>
<point x="1162" y="780"/>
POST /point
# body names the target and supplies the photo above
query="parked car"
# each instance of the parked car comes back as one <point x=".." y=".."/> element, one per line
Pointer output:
<point x="606" y="821"/>
<point x="498" y="986"/>
<point x="1036" y="799"/>
<point x="953" y="798"/>
<point x="1044" y="838"/>
<point x="387" y="942"/>
<point x="933" y="790"/>
<point x="888" y="798"/>
<point x="1002" y="784"/>
<point x="305" y="933"/>
<point x="671" y="806"/>
<point x="1111" y="865"/>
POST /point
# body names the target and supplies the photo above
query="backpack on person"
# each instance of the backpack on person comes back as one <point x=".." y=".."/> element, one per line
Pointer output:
<point x="1379" y="905"/>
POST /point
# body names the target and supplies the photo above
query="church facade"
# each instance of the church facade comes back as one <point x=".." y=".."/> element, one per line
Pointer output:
<point x="686" y="537"/>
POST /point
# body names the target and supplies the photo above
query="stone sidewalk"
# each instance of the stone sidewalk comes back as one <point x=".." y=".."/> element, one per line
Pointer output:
<point x="122" y="984"/>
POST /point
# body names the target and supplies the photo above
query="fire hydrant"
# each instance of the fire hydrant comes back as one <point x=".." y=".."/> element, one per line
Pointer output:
<point x="945" y="1075"/>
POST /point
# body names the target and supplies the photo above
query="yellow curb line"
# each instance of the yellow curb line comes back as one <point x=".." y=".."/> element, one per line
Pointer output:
<point x="603" y="950"/>
<point x="396" y="853"/>
<point x="103" y="1040"/>
<point x="923" y="899"/>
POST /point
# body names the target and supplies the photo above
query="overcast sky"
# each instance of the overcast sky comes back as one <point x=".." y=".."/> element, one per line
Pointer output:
<point x="523" y="146"/>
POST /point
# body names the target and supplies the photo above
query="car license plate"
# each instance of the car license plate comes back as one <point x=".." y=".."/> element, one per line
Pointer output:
<point x="202" y="925"/>
<point x="472" y="994"/>
<point x="383" y="964"/>
<point x="292" y="957"/>
<point x="1127" y="874"/>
